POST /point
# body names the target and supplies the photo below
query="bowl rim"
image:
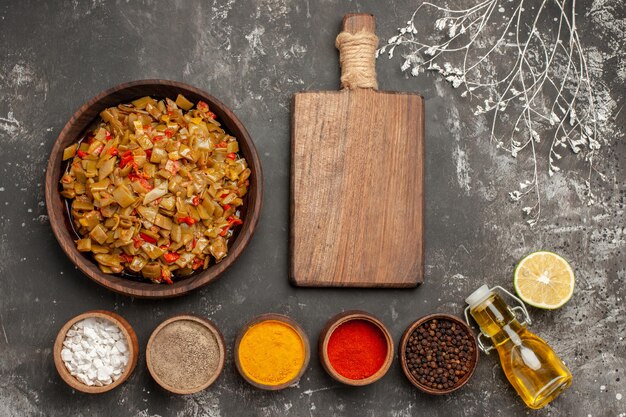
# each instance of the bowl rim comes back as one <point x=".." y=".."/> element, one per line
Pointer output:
<point x="146" y="289"/>
<point x="291" y="323"/>
<point x="127" y="331"/>
<point x="404" y="341"/>
<point x="219" y="338"/>
<point x="332" y="325"/>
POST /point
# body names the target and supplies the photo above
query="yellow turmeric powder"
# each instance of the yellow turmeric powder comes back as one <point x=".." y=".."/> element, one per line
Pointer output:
<point x="271" y="353"/>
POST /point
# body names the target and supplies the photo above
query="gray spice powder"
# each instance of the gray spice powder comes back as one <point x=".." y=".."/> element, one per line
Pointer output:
<point x="184" y="354"/>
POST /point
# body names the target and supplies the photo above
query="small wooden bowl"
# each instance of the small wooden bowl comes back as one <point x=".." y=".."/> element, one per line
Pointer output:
<point x="290" y="322"/>
<point x="405" y="339"/>
<point x="220" y="343"/>
<point x="127" y="331"/>
<point x="75" y="129"/>
<point x="328" y="330"/>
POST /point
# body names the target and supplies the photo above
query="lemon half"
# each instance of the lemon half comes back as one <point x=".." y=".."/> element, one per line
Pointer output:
<point x="544" y="280"/>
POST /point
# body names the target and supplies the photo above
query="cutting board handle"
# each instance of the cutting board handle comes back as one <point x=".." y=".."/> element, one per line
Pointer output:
<point x="357" y="44"/>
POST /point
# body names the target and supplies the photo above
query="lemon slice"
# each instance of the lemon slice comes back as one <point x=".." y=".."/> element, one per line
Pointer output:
<point x="544" y="280"/>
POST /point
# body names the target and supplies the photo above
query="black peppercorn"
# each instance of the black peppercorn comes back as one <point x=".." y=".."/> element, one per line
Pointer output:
<point x="440" y="352"/>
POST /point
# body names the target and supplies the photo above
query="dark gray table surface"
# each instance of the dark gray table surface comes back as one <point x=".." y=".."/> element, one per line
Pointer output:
<point x="253" y="56"/>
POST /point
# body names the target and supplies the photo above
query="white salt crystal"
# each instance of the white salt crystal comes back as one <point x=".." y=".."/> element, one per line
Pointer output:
<point x="115" y="361"/>
<point x="121" y="346"/>
<point x="104" y="373"/>
<point x="95" y="352"/>
<point x="66" y="355"/>
<point x="83" y="378"/>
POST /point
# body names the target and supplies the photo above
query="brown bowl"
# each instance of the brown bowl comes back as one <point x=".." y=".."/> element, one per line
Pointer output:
<point x="127" y="331"/>
<point x="220" y="343"/>
<point x="75" y="129"/>
<point x="405" y="339"/>
<point x="290" y="322"/>
<point x="328" y="330"/>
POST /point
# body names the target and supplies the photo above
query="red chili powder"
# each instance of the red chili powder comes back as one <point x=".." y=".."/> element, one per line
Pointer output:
<point x="357" y="349"/>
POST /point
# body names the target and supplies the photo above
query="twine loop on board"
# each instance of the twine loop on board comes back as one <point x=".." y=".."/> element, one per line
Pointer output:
<point x="357" y="57"/>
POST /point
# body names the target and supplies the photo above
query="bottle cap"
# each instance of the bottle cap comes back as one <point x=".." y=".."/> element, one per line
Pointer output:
<point x="478" y="296"/>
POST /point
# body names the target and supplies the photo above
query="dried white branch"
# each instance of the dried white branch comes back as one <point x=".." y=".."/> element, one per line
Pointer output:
<point x="544" y="92"/>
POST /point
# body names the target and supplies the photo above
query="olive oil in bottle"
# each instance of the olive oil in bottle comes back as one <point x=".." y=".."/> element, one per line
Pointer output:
<point x="530" y="365"/>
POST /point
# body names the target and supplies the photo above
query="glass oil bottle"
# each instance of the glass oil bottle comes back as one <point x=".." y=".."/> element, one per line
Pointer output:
<point x="530" y="365"/>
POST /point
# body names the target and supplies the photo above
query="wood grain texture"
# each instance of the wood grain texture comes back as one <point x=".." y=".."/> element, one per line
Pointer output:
<point x="355" y="22"/>
<point x="75" y="129"/>
<point x="127" y="331"/>
<point x="357" y="189"/>
<point x="357" y="171"/>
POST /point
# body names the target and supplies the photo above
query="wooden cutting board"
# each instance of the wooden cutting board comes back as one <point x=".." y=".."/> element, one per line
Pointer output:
<point x="357" y="195"/>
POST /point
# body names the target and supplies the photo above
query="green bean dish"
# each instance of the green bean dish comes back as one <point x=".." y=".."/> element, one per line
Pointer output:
<point x="155" y="190"/>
